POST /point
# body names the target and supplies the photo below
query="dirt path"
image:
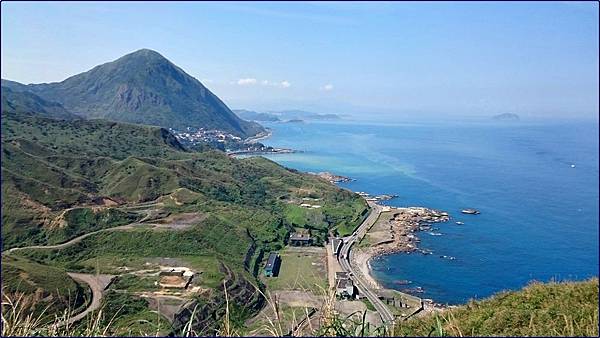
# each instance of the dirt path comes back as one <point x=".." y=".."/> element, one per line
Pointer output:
<point x="72" y="241"/>
<point x="333" y="266"/>
<point x="97" y="284"/>
<point x="178" y="222"/>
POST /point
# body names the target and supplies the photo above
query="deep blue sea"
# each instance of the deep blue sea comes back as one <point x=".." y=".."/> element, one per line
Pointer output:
<point x="539" y="216"/>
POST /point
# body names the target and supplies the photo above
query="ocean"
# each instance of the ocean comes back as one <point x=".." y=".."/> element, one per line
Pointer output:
<point x="536" y="185"/>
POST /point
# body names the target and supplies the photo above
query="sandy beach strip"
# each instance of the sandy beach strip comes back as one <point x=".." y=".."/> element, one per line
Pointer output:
<point x="362" y="260"/>
<point x="401" y="229"/>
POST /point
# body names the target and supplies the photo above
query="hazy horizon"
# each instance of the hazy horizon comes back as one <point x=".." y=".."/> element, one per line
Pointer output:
<point x="383" y="60"/>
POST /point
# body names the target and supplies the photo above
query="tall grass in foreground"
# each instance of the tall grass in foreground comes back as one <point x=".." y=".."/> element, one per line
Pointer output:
<point x="18" y="320"/>
<point x="551" y="309"/>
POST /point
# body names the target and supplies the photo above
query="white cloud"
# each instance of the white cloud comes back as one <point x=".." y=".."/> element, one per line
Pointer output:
<point x="253" y="81"/>
<point x="247" y="81"/>
<point x="328" y="87"/>
<point x="282" y="84"/>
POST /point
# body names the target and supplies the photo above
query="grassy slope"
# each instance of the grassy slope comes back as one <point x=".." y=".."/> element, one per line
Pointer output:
<point x="552" y="309"/>
<point x="49" y="166"/>
<point x="134" y="164"/>
<point x="38" y="282"/>
<point x="126" y="315"/>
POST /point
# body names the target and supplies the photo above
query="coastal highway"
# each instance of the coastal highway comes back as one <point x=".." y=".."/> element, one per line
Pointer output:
<point x="344" y="259"/>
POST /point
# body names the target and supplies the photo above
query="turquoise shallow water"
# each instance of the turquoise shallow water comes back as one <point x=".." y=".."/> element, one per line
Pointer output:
<point x="539" y="216"/>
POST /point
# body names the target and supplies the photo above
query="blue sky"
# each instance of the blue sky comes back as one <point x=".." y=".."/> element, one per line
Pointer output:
<point x="399" y="59"/>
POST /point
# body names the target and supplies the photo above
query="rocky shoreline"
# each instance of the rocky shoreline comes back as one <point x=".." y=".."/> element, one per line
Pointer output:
<point x="397" y="233"/>
<point x="404" y="225"/>
<point x="333" y="178"/>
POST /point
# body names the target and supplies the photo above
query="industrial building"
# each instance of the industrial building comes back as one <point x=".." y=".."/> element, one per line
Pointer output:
<point x="273" y="264"/>
<point x="300" y="239"/>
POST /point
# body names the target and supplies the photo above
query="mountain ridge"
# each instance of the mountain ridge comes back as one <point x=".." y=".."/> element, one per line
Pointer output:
<point x="142" y="87"/>
<point x="31" y="104"/>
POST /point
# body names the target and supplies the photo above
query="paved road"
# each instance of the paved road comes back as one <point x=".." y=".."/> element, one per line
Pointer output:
<point x="386" y="315"/>
<point x="97" y="284"/>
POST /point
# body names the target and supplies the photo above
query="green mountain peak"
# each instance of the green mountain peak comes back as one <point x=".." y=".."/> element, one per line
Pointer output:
<point x="146" y="88"/>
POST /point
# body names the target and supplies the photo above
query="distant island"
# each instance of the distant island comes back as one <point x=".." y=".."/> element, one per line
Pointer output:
<point x="506" y="117"/>
<point x="304" y="115"/>
<point x="251" y="115"/>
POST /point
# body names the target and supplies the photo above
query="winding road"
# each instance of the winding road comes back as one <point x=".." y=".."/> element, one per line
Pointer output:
<point x="148" y="214"/>
<point x="344" y="258"/>
<point x="72" y="241"/>
<point x="97" y="284"/>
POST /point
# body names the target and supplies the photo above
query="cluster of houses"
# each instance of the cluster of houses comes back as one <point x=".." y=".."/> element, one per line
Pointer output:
<point x="195" y="135"/>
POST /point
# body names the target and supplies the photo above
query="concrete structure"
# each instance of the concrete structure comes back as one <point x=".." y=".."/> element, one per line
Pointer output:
<point x="273" y="264"/>
<point x="299" y="239"/>
<point x="400" y="299"/>
<point x="344" y="286"/>
<point x="175" y="278"/>
<point x="336" y="245"/>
